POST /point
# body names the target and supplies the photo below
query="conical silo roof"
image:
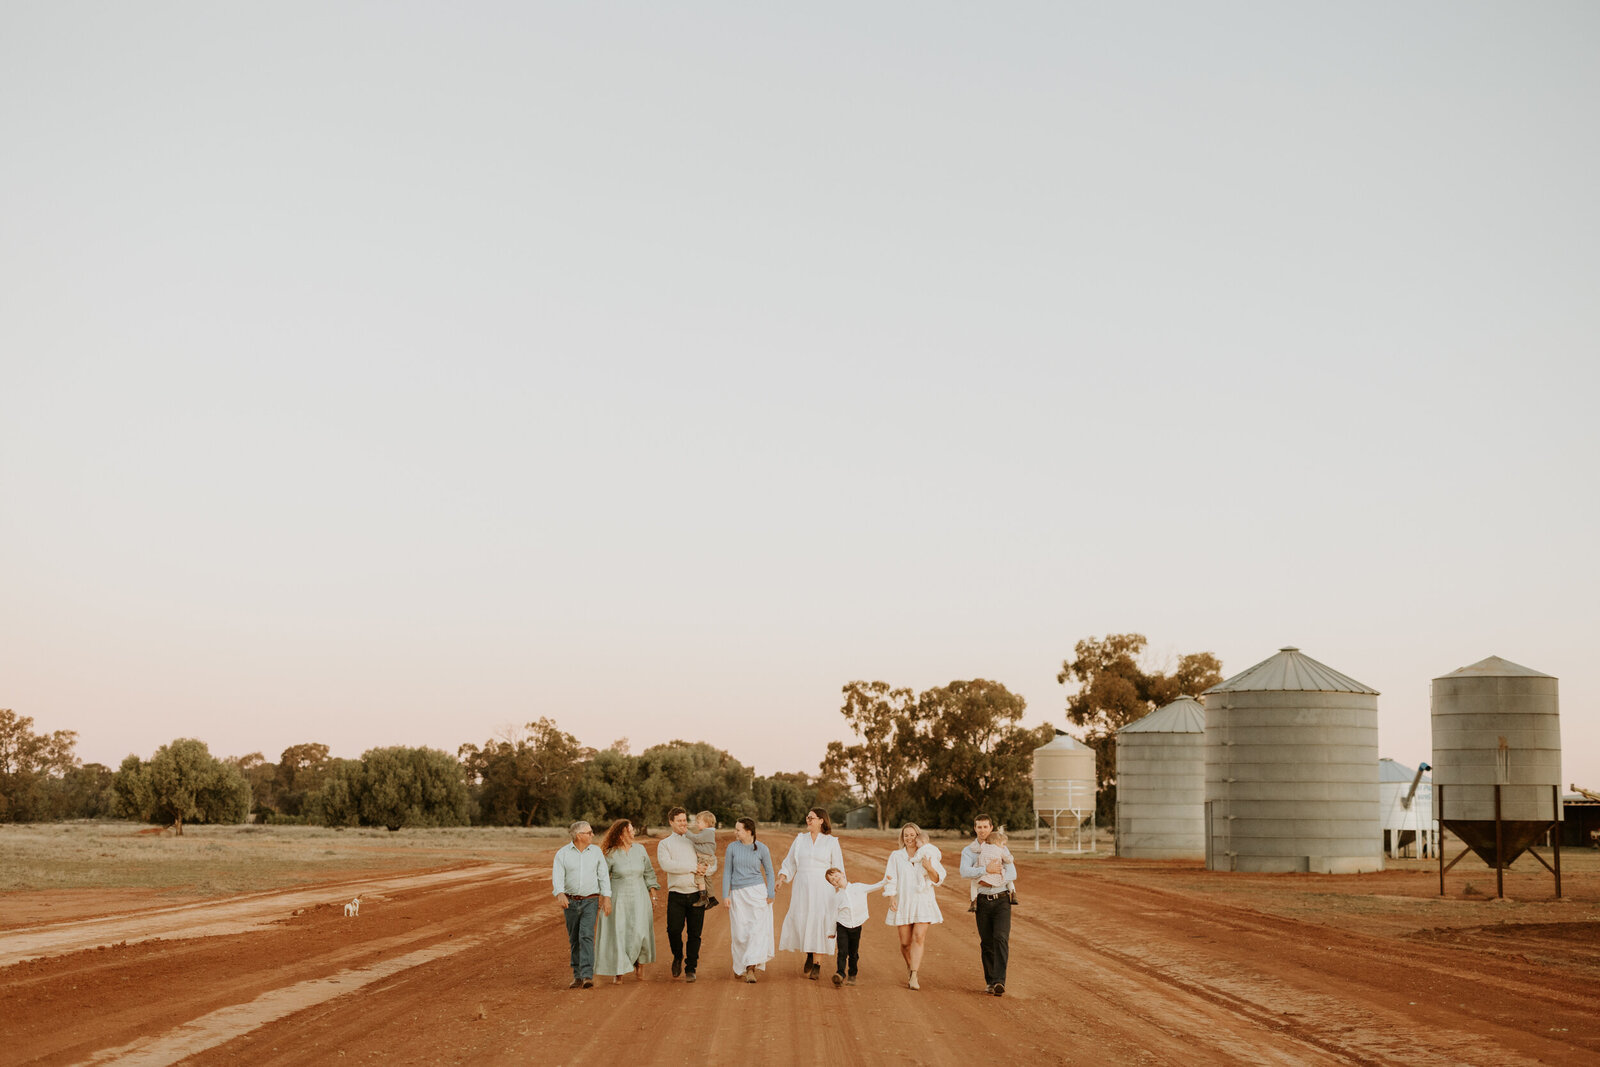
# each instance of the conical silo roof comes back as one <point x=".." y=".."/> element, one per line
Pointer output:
<point x="1495" y="667"/>
<point x="1186" y="715"/>
<point x="1064" y="743"/>
<point x="1291" y="671"/>
<point x="1394" y="771"/>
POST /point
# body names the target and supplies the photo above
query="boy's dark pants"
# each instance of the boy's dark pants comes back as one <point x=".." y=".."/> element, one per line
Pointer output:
<point x="849" y="939"/>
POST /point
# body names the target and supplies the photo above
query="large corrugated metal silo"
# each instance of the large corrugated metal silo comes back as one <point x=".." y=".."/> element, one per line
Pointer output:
<point x="1405" y="798"/>
<point x="1292" y="770"/>
<point x="1064" y="787"/>
<point x="1161" y="783"/>
<point x="1497" y="758"/>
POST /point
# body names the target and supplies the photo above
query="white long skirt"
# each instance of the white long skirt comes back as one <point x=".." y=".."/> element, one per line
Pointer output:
<point x="750" y="927"/>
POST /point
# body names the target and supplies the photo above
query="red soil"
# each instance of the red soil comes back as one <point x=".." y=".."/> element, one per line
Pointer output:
<point x="1112" y="962"/>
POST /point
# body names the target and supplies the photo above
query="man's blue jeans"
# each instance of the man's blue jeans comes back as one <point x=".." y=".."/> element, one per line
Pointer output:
<point x="580" y="917"/>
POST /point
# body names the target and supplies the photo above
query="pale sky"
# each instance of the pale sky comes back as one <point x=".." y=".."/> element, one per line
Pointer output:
<point x="394" y="373"/>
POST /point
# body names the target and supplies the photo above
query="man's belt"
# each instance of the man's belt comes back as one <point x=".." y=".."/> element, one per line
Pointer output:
<point x="586" y="896"/>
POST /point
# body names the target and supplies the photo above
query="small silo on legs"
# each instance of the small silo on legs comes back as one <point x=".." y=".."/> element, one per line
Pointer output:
<point x="1497" y="762"/>
<point x="1161" y="783"/>
<point x="1064" y="794"/>
<point x="1292" y="770"/>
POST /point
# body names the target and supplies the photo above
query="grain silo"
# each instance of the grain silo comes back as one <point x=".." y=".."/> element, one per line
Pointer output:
<point x="1064" y="794"/>
<point x="1405" y="798"/>
<point x="1497" y="762"/>
<point x="1161" y="783"/>
<point x="1292" y="770"/>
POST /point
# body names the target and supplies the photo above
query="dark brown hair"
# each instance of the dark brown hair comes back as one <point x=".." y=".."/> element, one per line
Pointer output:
<point x="674" y="813"/>
<point x="822" y="813"/>
<point x="613" y="836"/>
<point x="984" y="818"/>
<point x="749" y="824"/>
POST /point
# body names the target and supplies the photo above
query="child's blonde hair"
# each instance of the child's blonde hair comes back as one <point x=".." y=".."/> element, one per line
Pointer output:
<point x="998" y="838"/>
<point x="922" y="837"/>
<point x="706" y="818"/>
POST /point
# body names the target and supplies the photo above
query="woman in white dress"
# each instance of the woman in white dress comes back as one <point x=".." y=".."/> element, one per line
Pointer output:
<point x="805" y="927"/>
<point x="911" y="879"/>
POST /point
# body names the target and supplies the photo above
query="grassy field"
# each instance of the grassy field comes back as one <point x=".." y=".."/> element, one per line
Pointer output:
<point x="211" y="860"/>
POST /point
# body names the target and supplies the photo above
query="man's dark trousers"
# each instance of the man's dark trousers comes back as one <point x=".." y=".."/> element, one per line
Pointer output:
<point x="994" y="935"/>
<point x="849" y="945"/>
<point x="681" y="909"/>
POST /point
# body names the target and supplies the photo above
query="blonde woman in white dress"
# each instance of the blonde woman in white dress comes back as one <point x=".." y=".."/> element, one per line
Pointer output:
<point x="911" y="881"/>
<point x="806" y="926"/>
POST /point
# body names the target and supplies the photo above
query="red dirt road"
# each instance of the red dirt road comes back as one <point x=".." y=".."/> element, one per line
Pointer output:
<point x="1111" y="963"/>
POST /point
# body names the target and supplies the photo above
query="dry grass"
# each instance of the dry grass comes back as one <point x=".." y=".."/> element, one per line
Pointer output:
<point x="212" y="860"/>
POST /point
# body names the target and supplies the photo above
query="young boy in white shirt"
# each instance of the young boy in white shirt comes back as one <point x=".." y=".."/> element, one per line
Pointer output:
<point x="849" y="913"/>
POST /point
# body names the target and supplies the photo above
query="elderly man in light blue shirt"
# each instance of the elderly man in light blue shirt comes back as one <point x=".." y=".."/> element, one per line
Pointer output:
<point x="580" y="878"/>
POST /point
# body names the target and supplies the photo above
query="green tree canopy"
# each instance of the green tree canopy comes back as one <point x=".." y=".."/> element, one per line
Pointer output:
<point x="525" y="778"/>
<point x="299" y="775"/>
<point x="182" y="782"/>
<point x="337" y="801"/>
<point x="1115" y="688"/>
<point x="697" y="776"/>
<point x="30" y="765"/>
<point x="263" y="779"/>
<point x="888" y="750"/>
<point x="977" y="756"/>
<point x="402" y="786"/>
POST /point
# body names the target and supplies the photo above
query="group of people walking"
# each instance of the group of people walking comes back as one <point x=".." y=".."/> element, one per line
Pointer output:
<point x="608" y="895"/>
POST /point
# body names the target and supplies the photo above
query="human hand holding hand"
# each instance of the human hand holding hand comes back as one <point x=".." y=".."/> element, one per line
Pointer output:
<point x="783" y="880"/>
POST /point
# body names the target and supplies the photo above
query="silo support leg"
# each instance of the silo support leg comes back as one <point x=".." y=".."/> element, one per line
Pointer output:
<point x="1499" y="847"/>
<point x="1555" y="801"/>
<point x="1447" y="866"/>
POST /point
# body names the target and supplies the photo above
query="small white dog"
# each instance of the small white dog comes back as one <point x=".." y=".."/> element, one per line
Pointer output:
<point x="352" y="909"/>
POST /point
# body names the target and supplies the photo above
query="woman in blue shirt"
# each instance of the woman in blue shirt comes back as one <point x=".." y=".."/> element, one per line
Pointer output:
<point x="749" y="885"/>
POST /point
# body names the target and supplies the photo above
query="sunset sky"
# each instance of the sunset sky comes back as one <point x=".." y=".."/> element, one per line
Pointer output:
<point x="397" y="373"/>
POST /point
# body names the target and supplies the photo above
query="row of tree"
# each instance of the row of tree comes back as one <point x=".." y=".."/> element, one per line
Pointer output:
<point x="935" y="757"/>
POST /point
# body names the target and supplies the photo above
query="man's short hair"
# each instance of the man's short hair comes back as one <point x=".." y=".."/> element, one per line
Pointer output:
<point x="579" y="827"/>
<point x="984" y="818"/>
<point x="675" y="812"/>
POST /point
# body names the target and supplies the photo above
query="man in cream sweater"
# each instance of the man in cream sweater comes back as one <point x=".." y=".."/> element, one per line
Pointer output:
<point x="677" y="858"/>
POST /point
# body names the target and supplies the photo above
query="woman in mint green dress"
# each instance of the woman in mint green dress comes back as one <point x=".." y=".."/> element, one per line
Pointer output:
<point x="627" y="938"/>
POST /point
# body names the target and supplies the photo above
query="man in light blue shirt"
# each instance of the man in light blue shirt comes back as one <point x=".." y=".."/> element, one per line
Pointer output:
<point x="580" y="878"/>
<point x="994" y="908"/>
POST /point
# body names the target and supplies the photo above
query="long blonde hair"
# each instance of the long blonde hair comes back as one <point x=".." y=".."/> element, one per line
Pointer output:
<point x="919" y="834"/>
